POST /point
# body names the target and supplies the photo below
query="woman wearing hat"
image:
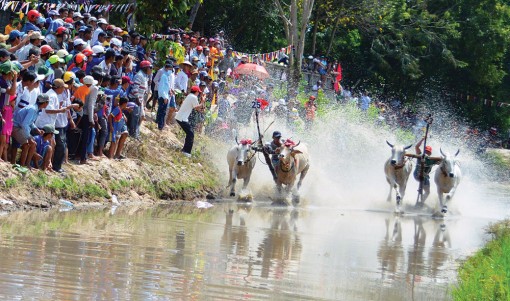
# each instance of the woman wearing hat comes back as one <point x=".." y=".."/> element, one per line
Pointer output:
<point x="9" y="73"/>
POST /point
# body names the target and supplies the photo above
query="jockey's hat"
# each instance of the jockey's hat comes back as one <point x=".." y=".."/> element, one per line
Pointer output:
<point x="277" y="134"/>
<point x="428" y="149"/>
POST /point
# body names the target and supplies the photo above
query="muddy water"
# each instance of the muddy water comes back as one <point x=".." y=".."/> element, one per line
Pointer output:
<point x="234" y="252"/>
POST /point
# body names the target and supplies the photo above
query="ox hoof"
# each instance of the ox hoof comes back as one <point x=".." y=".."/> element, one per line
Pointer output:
<point x="444" y="209"/>
<point x="399" y="199"/>
<point x="295" y="199"/>
<point x="232" y="194"/>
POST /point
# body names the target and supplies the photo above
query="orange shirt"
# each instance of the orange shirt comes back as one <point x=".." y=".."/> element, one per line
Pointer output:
<point x="81" y="93"/>
<point x="8" y="29"/>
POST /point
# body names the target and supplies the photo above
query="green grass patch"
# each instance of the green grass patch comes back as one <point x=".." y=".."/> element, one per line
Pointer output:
<point x="11" y="182"/>
<point x="486" y="275"/>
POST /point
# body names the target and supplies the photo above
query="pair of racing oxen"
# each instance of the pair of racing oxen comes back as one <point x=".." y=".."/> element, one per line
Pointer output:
<point x="293" y="162"/>
<point x="399" y="166"/>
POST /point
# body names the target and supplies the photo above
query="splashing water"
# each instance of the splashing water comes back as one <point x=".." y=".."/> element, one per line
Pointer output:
<point x="348" y="152"/>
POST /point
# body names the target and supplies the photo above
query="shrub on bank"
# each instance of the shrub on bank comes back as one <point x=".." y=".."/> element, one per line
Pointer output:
<point x="486" y="275"/>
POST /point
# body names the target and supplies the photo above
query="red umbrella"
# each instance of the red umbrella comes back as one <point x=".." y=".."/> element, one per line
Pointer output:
<point x="252" y="69"/>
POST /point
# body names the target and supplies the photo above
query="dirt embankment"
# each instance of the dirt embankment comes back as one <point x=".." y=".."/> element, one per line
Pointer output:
<point x="154" y="171"/>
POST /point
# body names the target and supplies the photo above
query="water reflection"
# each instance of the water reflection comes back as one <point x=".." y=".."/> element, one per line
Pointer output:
<point x="281" y="243"/>
<point x="391" y="253"/>
<point x="230" y="252"/>
<point x="438" y="254"/>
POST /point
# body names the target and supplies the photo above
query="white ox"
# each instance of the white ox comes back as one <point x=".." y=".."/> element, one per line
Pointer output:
<point x="447" y="178"/>
<point x="241" y="161"/>
<point x="397" y="170"/>
<point x="292" y="162"/>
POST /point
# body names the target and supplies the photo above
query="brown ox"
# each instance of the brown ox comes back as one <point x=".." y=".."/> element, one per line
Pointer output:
<point x="292" y="162"/>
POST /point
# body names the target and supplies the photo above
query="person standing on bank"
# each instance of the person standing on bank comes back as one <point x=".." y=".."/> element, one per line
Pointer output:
<point x="189" y="104"/>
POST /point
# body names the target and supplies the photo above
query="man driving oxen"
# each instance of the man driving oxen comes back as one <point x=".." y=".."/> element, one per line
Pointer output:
<point x="429" y="162"/>
<point x="273" y="148"/>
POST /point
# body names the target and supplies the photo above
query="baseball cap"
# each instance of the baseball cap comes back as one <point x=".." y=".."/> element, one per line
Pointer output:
<point x="42" y="98"/>
<point x="36" y="35"/>
<point x="53" y="13"/>
<point x="59" y="83"/>
<point x="102" y="21"/>
<point x="195" y="89"/>
<point x="4" y="53"/>
<point x="55" y="59"/>
<point x="77" y="15"/>
<point x="15" y="34"/>
<point x="44" y="70"/>
<point x="92" y="19"/>
<point x="126" y="79"/>
<point x="50" y="129"/>
<point x="79" y="42"/>
<point x="86" y="15"/>
<point x="89" y="80"/>
<point x="277" y="134"/>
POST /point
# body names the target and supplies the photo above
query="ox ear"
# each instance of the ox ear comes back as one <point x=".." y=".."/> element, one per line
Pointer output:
<point x="391" y="145"/>
<point x="458" y="151"/>
<point x="295" y="152"/>
<point x="441" y="150"/>
<point x="408" y="147"/>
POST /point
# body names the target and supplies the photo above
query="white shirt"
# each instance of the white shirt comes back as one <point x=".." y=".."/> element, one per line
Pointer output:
<point x="95" y="36"/>
<point x="157" y="77"/>
<point x="45" y="118"/>
<point x="65" y="101"/>
<point x="181" y="81"/>
<point x="106" y="67"/>
<point x="187" y="106"/>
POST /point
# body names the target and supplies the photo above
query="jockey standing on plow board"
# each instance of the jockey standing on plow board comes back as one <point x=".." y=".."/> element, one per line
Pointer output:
<point x="424" y="164"/>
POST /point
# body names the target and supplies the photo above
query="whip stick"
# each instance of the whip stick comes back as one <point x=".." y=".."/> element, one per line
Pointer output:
<point x="428" y="120"/>
<point x="264" y="152"/>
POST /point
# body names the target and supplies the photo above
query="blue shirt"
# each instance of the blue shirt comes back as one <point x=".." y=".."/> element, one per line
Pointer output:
<point x="94" y="62"/>
<point x="41" y="145"/>
<point x="164" y="86"/>
<point x="29" y="26"/>
<point x="25" y="118"/>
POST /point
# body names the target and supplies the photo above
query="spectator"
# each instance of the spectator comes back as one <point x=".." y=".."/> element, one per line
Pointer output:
<point x="24" y="123"/>
<point x="189" y="104"/>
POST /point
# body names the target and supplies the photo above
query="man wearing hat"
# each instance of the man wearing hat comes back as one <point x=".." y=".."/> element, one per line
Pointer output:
<point x="181" y="79"/>
<point x="273" y="148"/>
<point x="189" y="104"/>
<point x="138" y="93"/>
<point x="155" y="82"/>
<point x="87" y="122"/>
<point x="24" y="123"/>
<point x="35" y="42"/>
<point x="49" y="114"/>
<point x="101" y="27"/>
<point x="164" y="94"/>
<point x="429" y="162"/>
<point x="44" y="147"/>
<point x="16" y="40"/>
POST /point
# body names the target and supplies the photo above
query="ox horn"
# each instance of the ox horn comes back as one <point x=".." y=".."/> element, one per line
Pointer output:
<point x="458" y="151"/>
<point x="296" y="144"/>
<point x="407" y="147"/>
<point x="391" y="145"/>
<point x="236" y="140"/>
<point x="441" y="150"/>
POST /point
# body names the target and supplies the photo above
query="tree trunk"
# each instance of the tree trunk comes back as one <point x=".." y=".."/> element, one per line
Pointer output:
<point x="193" y="14"/>
<point x="314" y="34"/>
<point x="337" y="20"/>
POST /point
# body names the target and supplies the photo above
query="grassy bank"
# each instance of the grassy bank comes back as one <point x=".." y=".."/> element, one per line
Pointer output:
<point x="486" y="275"/>
<point x="155" y="170"/>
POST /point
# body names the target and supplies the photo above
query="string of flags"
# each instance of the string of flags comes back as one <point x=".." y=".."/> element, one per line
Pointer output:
<point x="24" y="7"/>
<point x="267" y="57"/>
<point x="484" y="101"/>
